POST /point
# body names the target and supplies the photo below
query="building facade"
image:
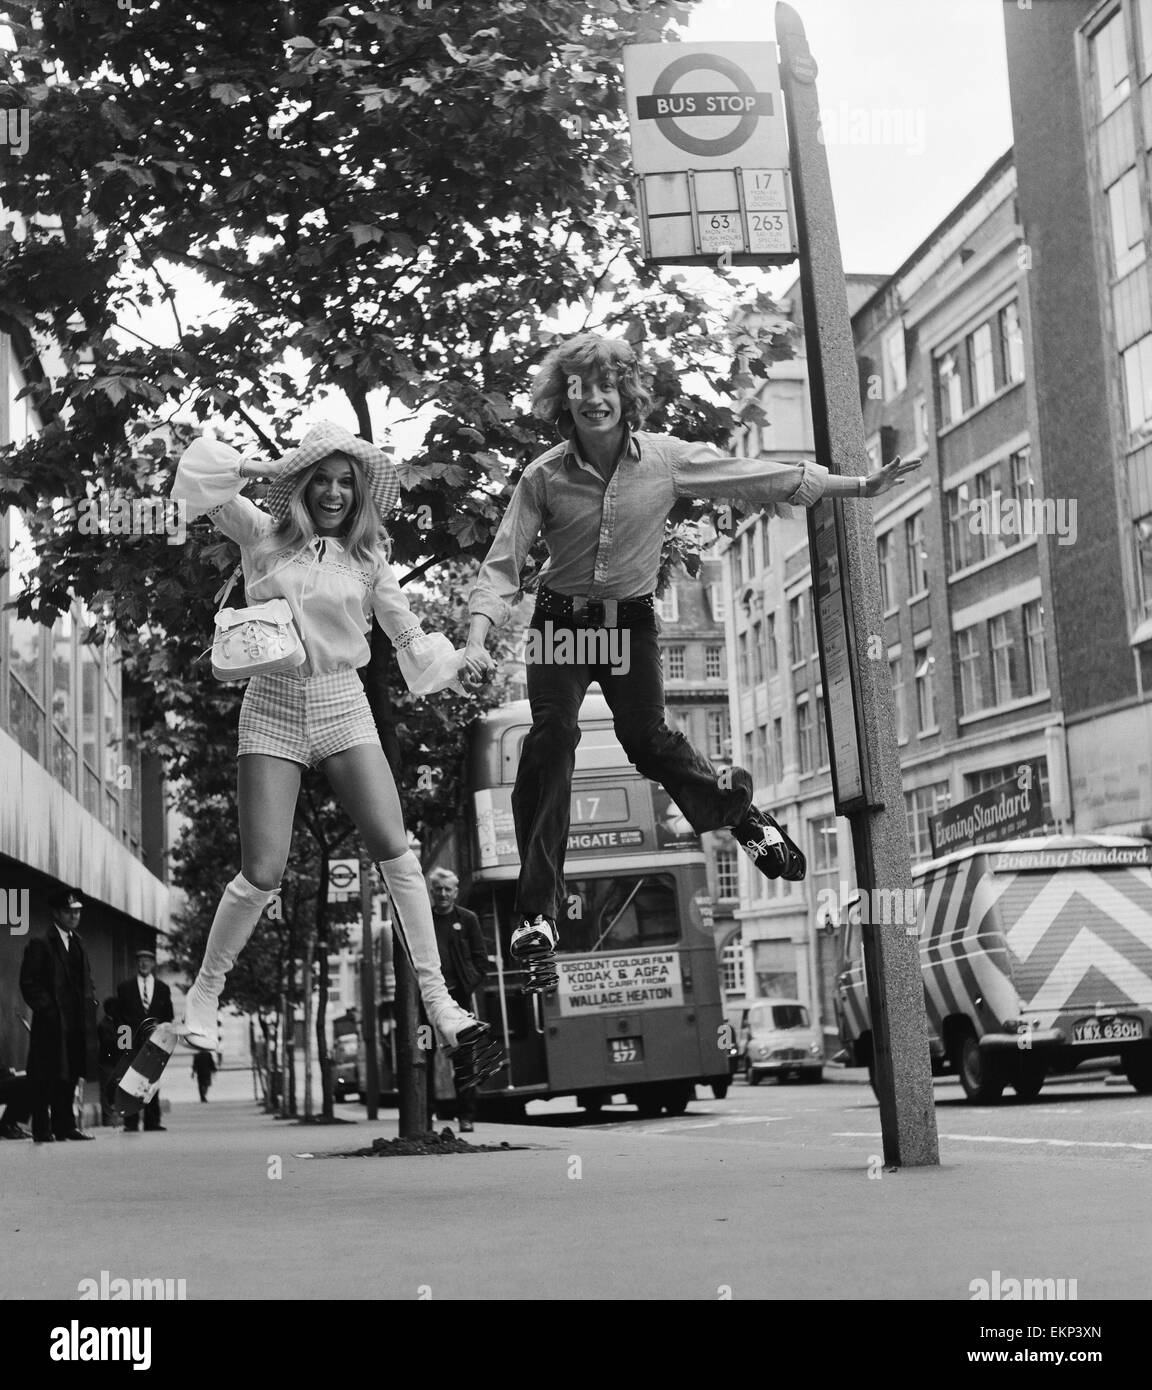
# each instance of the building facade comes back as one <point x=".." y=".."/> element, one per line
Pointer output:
<point x="1080" y="76"/>
<point x="82" y="805"/>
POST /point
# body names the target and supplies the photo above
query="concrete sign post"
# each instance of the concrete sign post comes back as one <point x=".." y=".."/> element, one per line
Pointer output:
<point x="846" y="583"/>
<point x="709" y="146"/>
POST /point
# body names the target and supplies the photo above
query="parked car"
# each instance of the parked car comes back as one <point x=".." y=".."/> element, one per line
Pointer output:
<point x="775" y="1037"/>
<point x="346" y="1066"/>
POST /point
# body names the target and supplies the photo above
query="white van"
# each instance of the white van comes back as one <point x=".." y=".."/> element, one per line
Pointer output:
<point x="1036" y="956"/>
<point x="775" y="1037"/>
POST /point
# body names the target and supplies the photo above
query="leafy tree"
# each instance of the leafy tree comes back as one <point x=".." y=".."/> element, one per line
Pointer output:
<point x="398" y="203"/>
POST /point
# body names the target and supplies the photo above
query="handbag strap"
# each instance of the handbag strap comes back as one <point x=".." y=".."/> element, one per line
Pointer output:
<point x="221" y="597"/>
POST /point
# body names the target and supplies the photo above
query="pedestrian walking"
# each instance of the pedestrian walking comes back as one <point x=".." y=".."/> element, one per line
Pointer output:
<point x="600" y="499"/>
<point x="463" y="959"/>
<point x="320" y="546"/>
<point x="203" y="1069"/>
<point x="56" y="982"/>
<point x="143" y="1002"/>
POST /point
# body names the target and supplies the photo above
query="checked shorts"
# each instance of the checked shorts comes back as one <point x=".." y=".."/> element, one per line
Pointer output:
<point x="305" y="718"/>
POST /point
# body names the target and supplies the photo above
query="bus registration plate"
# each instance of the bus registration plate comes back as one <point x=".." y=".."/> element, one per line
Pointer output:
<point x="1106" y="1029"/>
<point x="625" y="1049"/>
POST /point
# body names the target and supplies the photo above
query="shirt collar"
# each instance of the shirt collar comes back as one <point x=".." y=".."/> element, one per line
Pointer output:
<point x="572" y="452"/>
<point x="65" y="936"/>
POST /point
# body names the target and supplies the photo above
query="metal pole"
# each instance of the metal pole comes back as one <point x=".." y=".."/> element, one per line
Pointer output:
<point x="370" y="1024"/>
<point x="879" y="833"/>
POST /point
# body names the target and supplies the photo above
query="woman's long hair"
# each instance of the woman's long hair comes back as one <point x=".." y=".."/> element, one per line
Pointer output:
<point x="363" y="535"/>
<point x="588" y="354"/>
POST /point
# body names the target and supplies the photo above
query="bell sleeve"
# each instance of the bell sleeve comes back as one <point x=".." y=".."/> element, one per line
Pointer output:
<point x="208" y="482"/>
<point x="428" y="661"/>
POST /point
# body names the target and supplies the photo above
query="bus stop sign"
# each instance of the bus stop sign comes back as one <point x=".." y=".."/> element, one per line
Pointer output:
<point x="710" y="148"/>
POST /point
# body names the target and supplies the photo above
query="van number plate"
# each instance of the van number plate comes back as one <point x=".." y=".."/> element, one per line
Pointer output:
<point x="625" y="1049"/>
<point x="1106" y="1029"/>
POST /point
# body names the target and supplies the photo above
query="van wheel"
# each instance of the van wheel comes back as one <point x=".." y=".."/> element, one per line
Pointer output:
<point x="982" y="1080"/>
<point x="1028" y="1078"/>
<point x="719" y="1089"/>
<point x="752" y="1077"/>
<point x="592" y="1105"/>
<point x="676" y="1098"/>
<point x="1138" y="1070"/>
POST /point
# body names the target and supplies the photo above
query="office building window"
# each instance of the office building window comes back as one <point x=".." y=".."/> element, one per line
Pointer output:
<point x="894" y="362"/>
<point x="884" y="561"/>
<point x="732" y="962"/>
<point x="1110" y="63"/>
<point x="1125" y="224"/>
<point x="63" y="695"/>
<point x="926" y="688"/>
<point x="757" y="652"/>
<point x="90" y="728"/>
<point x="1034" y="646"/>
<point x="762" y="539"/>
<point x="989" y="777"/>
<point x="716" y="602"/>
<point x="896" y="676"/>
<point x="960" y="528"/>
<point x="1144" y="36"/>
<point x="742" y="659"/>
<point x="1138" y="382"/>
<point x="796" y="627"/>
<point x="1142" y="539"/>
<point x="719" y="742"/>
<point x="968" y="659"/>
<point x="810" y="604"/>
<point x="778" y="747"/>
<point x="714" y="663"/>
<point x="983" y="376"/>
<point x="770" y="643"/>
<point x="804" y="734"/>
<point x="760" y="756"/>
<point x="727" y="873"/>
<point x="674" y="663"/>
<point x="1020" y="467"/>
<point x="991" y="541"/>
<point x="950" y="389"/>
<point x="1012" y="342"/>
<point x="917" y="555"/>
<point x="821" y="734"/>
<point x="668" y="607"/>
<point x="1003" y="659"/>
<point x="920" y="419"/>
<point x="920" y="805"/>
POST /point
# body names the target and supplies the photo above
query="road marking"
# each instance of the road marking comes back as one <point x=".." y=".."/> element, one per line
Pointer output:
<point x="1007" y="1139"/>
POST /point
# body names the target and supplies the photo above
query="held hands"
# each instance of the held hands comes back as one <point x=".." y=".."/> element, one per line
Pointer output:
<point x="890" y="476"/>
<point x="477" y="665"/>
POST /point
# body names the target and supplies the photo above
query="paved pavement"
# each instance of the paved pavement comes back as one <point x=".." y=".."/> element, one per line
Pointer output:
<point x="229" y="1200"/>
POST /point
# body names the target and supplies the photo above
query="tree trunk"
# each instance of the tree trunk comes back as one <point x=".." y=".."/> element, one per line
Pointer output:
<point x="322" y="1001"/>
<point x="306" y="986"/>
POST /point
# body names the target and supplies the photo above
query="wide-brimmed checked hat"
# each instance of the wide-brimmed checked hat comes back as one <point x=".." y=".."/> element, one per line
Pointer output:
<point x="322" y="440"/>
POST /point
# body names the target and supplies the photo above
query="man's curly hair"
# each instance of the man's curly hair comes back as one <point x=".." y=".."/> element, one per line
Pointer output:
<point x="557" y="382"/>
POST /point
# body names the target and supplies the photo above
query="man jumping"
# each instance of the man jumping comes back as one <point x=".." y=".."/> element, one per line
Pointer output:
<point x="601" y="499"/>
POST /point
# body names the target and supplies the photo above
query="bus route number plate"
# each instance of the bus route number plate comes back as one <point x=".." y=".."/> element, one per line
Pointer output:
<point x="625" y="1049"/>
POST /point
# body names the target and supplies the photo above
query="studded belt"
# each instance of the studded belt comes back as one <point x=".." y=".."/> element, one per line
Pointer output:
<point x="594" y="612"/>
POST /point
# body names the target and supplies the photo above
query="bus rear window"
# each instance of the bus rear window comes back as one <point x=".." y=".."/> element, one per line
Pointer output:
<point x="619" y="914"/>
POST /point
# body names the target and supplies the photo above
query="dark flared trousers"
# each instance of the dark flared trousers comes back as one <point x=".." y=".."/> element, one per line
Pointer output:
<point x="541" y="798"/>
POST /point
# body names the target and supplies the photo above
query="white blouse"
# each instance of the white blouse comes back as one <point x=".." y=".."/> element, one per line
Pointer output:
<point x="332" y="594"/>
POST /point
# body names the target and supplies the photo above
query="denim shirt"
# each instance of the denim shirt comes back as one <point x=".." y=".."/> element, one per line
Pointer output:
<point x="604" y="539"/>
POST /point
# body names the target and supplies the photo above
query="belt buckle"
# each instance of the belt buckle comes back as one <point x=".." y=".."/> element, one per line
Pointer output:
<point x="595" y="612"/>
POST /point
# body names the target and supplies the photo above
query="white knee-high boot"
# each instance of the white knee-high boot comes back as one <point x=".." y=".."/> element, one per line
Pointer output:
<point x="240" y="908"/>
<point x="413" y="913"/>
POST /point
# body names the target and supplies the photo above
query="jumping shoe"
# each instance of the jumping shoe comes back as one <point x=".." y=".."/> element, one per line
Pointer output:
<point x="764" y="842"/>
<point x="534" y="946"/>
<point x="199" y="1026"/>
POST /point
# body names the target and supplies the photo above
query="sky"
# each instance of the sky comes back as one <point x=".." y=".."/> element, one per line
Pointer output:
<point x="924" y="82"/>
<point x="940" y="64"/>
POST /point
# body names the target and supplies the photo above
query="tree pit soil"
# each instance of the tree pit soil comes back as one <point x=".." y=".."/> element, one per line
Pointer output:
<point x="427" y="1145"/>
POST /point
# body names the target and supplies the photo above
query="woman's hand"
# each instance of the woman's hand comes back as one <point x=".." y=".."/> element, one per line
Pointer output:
<point x="477" y="665"/>
<point x="890" y="476"/>
<point x="253" y="466"/>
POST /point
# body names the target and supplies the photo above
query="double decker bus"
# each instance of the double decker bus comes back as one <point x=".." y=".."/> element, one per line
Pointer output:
<point x="638" y="1011"/>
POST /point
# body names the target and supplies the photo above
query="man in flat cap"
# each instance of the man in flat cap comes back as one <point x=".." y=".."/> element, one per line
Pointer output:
<point x="144" y="999"/>
<point x="56" y="982"/>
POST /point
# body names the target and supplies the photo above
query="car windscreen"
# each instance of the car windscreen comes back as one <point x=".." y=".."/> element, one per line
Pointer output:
<point x="789" y="1016"/>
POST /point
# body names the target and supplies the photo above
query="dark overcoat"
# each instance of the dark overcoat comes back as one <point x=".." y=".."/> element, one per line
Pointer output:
<point x="57" y="986"/>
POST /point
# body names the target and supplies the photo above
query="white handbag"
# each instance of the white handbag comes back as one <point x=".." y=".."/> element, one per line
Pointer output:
<point x="254" y="641"/>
